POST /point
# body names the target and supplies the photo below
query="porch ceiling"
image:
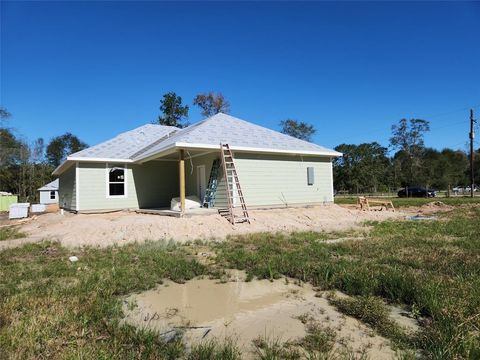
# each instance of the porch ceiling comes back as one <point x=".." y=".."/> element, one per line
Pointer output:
<point x="189" y="154"/>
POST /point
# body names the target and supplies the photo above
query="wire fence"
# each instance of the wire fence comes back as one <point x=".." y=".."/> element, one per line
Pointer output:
<point x="443" y="193"/>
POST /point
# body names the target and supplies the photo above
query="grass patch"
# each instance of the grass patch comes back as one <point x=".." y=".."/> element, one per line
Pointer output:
<point x="214" y="350"/>
<point x="51" y="308"/>
<point x="432" y="267"/>
<point x="318" y="344"/>
<point x="372" y="311"/>
<point x="10" y="232"/>
<point x="274" y="349"/>
<point x="319" y="339"/>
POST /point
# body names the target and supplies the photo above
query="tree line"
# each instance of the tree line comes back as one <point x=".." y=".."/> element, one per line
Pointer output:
<point x="24" y="166"/>
<point x="368" y="167"/>
<point x="363" y="168"/>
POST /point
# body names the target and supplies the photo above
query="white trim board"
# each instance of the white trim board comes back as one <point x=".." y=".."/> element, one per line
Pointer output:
<point x="107" y="183"/>
<point x="89" y="159"/>
<point x="181" y="145"/>
<point x="261" y="150"/>
<point x="77" y="187"/>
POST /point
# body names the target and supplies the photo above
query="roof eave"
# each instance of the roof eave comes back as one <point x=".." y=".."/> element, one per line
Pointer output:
<point x="262" y="150"/>
<point x="90" y="159"/>
<point x="62" y="167"/>
<point x="182" y="145"/>
<point x="47" y="189"/>
<point x="72" y="159"/>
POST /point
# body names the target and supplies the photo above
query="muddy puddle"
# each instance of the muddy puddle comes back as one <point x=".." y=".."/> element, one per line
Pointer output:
<point x="203" y="309"/>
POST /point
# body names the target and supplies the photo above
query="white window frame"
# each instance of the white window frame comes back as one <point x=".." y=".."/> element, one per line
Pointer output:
<point x="313" y="176"/>
<point x="54" y="195"/>
<point x="107" y="182"/>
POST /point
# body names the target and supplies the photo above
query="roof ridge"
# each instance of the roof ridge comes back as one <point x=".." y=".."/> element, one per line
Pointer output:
<point x="156" y="142"/>
<point x="179" y="131"/>
<point x="238" y="133"/>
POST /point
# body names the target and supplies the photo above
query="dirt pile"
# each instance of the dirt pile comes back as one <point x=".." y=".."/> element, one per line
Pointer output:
<point x="126" y="227"/>
<point x="433" y="207"/>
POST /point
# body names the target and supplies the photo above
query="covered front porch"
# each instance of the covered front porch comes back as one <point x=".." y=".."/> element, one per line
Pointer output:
<point x="188" y="171"/>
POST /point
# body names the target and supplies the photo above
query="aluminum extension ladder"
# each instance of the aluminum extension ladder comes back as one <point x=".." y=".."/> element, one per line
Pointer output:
<point x="232" y="185"/>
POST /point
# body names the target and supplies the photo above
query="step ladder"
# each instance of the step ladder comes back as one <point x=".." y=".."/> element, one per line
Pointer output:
<point x="211" y="191"/>
<point x="232" y="185"/>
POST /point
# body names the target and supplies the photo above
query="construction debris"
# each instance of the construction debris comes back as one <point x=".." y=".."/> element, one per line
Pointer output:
<point x="18" y="210"/>
<point x="365" y="203"/>
<point x="420" y="217"/>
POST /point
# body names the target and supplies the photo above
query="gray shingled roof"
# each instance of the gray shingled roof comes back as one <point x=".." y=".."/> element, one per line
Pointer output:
<point x="150" y="139"/>
<point x="50" y="186"/>
<point x="127" y="144"/>
<point x="222" y="128"/>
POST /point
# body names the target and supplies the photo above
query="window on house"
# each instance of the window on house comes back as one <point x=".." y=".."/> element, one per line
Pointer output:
<point x="116" y="181"/>
<point x="52" y="195"/>
<point x="310" y="175"/>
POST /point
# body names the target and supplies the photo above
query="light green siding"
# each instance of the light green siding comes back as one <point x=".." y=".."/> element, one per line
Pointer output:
<point x="269" y="180"/>
<point x="6" y="201"/>
<point x="266" y="180"/>
<point x="282" y="180"/>
<point x="150" y="185"/>
<point x="66" y="190"/>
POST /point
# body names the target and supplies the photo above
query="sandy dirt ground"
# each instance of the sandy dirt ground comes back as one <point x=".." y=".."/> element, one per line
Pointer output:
<point x="124" y="227"/>
<point x="202" y="309"/>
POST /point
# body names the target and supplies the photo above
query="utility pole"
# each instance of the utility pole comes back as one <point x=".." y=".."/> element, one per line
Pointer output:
<point x="472" y="136"/>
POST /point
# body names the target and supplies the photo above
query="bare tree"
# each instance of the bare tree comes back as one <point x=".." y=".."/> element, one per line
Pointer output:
<point x="407" y="138"/>
<point x="212" y="103"/>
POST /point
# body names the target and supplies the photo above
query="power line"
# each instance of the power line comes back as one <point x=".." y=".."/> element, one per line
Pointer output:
<point x="377" y="130"/>
<point x="464" y="143"/>
<point x="449" y="125"/>
<point x="452" y="112"/>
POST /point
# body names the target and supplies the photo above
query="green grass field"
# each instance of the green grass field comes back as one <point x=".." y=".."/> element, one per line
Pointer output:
<point x="51" y="308"/>
<point x="409" y="202"/>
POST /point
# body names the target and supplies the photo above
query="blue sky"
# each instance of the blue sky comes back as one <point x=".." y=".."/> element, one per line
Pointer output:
<point x="351" y="68"/>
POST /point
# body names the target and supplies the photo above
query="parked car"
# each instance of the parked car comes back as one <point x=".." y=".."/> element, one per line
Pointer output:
<point x="417" y="192"/>
<point x="464" y="190"/>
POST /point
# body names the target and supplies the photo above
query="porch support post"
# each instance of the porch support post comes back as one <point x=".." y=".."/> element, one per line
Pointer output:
<point x="182" y="179"/>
